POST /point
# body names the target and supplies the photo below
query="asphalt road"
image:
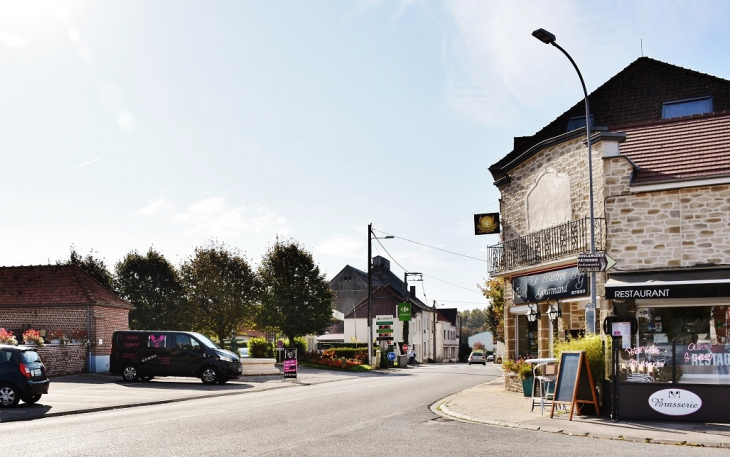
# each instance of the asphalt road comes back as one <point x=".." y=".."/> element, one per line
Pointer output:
<point x="372" y="415"/>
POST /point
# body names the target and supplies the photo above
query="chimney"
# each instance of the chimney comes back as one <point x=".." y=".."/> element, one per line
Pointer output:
<point x="413" y="291"/>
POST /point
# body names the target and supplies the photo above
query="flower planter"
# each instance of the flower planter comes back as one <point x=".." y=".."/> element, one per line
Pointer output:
<point x="527" y="386"/>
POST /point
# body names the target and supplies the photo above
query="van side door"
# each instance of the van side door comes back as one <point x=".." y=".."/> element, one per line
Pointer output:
<point x="187" y="355"/>
<point x="154" y="356"/>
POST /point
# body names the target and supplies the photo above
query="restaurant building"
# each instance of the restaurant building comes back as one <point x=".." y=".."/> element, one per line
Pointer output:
<point x="661" y="185"/>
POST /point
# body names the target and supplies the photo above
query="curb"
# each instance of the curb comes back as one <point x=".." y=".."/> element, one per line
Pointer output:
<point x="441" y="408"/>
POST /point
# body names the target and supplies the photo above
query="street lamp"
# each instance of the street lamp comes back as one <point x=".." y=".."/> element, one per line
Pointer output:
<point x="370" y="290"/>
<point x="548" y="38"/>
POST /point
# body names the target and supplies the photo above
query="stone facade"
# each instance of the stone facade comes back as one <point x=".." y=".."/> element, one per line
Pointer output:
<point x="681" y="227"/>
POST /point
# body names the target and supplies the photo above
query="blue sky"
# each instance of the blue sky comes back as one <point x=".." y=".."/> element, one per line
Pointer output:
<point x="125" y="125"/>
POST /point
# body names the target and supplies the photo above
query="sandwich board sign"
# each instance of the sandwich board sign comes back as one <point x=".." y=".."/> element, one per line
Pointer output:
<point x="574" y="384"/>
<point x="290" y="362"/>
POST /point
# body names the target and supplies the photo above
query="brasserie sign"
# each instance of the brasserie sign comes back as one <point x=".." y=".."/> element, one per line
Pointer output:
<point x="556" y="284"/>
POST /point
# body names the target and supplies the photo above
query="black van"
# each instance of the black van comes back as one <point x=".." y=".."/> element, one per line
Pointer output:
<point x="144" y="354"/>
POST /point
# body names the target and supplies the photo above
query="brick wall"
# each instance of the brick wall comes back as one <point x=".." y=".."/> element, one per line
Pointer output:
<point x="62" y="360"/>
<point x="104" y="322"/>
<point x="44" y="318"/>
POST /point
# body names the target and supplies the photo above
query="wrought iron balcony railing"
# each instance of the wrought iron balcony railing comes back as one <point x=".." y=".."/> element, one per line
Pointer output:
<point x="550" y="244"/>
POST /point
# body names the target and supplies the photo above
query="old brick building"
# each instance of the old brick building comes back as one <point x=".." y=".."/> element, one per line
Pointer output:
<point x="661" y="182"/>
<point x="51" y="297"/>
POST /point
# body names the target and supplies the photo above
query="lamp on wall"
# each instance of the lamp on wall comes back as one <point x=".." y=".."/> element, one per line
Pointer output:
<point x="554" y="312"/>
<point x="533" y="315"/>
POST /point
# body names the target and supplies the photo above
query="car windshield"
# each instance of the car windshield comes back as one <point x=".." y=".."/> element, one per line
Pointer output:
<point x="478" y="354"/>
<point x="205" y="341"/>
<point x="30" y="357"/>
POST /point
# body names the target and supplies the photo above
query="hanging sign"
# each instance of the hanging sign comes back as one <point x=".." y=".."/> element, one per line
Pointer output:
<point x="486" y="224"/>
<point x="404" y="312"/>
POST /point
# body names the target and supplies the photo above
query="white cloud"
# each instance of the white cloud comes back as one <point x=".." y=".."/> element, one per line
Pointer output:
<point x="14" y="41"/>
<point x="341" y="246"/>
<point x="212" y="217"/>
<point x="154" y="206"/>
<point x="125" y="121"/>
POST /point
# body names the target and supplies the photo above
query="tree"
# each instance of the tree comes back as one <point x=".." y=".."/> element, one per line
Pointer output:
<point x="94" y="267"/>
<point x="493" y="290"/>
<point x="220" y="288"/>
<point x="296" y="298"/>
<point x="153" y="286"/>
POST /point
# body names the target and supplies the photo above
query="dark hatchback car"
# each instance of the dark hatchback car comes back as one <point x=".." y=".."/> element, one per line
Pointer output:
<point x="22" y="375"/>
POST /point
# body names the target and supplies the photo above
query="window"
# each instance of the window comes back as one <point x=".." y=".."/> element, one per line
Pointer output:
<point x="577" y="123"/>
<point x="680" y="345"/>
<point x="156" y="341"/>
<point x="688" y="107"/>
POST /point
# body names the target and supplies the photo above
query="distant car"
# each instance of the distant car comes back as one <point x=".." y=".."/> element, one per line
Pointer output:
<point x="477" y="357"/>
<point x="490" y="358"/>
<point x="243" y="352"/>
<point x="22" y="375"/>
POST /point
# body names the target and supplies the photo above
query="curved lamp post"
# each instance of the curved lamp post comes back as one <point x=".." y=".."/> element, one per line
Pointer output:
<point x="548" y="38"/>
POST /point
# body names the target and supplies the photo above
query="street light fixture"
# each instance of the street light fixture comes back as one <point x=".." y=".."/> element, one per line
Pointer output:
<point x="370" y="290"/>
<point x="548" y="38"/>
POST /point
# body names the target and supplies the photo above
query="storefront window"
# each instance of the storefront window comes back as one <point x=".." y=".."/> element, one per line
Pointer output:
<point x="686" y="345"/>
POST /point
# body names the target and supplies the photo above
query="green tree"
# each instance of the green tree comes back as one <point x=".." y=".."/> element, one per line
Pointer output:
<point x="153" y="286"/>
<point x="493" y="290"/>
<point x="296" y="298"/>
<point x="220" y="288"/>
<point x="93" y="266"/>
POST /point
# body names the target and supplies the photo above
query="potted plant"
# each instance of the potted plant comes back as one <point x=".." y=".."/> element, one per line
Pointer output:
<point x="7" y="337"/>
<point x="55" y="336"/>
<point x="523" y="371"/>
<point x="33" y="337"/>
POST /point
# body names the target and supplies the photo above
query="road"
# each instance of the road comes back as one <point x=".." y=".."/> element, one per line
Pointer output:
<point x="371" y="415"/>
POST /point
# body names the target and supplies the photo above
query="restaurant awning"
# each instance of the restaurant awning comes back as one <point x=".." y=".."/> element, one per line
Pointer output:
<point x="669" y="285"/>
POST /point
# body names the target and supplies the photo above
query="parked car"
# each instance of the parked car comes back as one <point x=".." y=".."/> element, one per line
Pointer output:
<point x="477" y="357"/>
<point x="22" y="375"/>
<point x="490" y="358"/>
<point x="243" y="353"/>
<point x="144" y="354"/>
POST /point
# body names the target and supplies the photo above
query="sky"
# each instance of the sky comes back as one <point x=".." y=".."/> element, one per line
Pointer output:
<point x="126" y="125"/>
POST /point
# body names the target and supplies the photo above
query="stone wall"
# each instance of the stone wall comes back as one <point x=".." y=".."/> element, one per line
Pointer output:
<point x="665" y="228"/>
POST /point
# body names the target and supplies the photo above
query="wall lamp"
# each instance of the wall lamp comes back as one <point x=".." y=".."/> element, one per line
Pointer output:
<point x="533" y="315"/>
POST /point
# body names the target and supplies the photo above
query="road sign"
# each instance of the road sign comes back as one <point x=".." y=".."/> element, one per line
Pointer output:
<point x="405" y="348"/>
<point x="594" y="262"/>
<point x="280" y="344"/>
<point x="385" y="329"/>
<point x="391" y="356"/>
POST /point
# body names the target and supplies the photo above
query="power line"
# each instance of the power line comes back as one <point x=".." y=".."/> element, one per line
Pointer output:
<point x="432" y="247"/>
<point x="455" y="220"/>
<point x="389" y="255"/>
<point x="451" y="284"/>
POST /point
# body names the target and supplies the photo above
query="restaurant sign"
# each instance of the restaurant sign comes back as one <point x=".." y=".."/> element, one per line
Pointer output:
<point x="556" y="284"/>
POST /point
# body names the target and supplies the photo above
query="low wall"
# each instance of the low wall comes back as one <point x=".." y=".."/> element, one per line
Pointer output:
<point x="512" y="383"/>
<point x="252" y="366"/>
<point x="64" y="359"/>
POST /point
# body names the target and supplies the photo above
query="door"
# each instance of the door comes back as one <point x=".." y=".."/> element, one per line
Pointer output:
<point x="154" y="355"/>
<point x="187" y="355"/>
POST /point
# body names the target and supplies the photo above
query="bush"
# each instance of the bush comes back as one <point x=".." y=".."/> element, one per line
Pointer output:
<point x="301" y="344"/>
<point x="593" y="345"/>
<point x="260" y="348"/>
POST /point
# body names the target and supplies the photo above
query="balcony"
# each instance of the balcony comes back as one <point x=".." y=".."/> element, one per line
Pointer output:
<point x="547" y="245"/>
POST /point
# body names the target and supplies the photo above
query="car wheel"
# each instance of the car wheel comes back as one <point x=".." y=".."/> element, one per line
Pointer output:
<point x="146" y="378"/>
<point x="485" y="364"/>
<point x="32" y="399"/>
<point x="209" y="375"/>
<point x="8" y="396"/>
<point x="130" y="374"/>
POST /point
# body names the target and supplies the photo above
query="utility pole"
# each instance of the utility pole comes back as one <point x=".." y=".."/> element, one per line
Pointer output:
<point x="405" y="293"/>
<point x="370" y="291"/>
<point x="434" y="331"/>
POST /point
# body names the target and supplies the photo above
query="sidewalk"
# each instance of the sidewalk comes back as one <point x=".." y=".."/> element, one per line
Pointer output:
<point x="491" y="404"/>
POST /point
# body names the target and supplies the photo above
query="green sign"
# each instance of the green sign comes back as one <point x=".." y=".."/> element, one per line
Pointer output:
<point x="404" y="311"/>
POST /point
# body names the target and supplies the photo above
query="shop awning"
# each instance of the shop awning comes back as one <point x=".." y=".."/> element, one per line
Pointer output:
<point x="668" y="285"/>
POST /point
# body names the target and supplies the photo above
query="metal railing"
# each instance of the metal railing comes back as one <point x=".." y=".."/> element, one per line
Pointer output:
<point x="550" y="244"/>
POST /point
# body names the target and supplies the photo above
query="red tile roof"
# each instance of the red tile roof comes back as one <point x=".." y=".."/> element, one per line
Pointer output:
<point x="694" y="147"/>
<point x="46" y="285"/>
<point x="636" y="94"/>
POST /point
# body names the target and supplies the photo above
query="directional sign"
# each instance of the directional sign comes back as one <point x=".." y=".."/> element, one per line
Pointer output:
<point x="594" y="262"/>
<point x="391" y="356"/>
<point x="385" y="329"/>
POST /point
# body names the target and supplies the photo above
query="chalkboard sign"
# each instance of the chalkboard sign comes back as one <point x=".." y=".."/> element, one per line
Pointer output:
<point x="574" y="383"/>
